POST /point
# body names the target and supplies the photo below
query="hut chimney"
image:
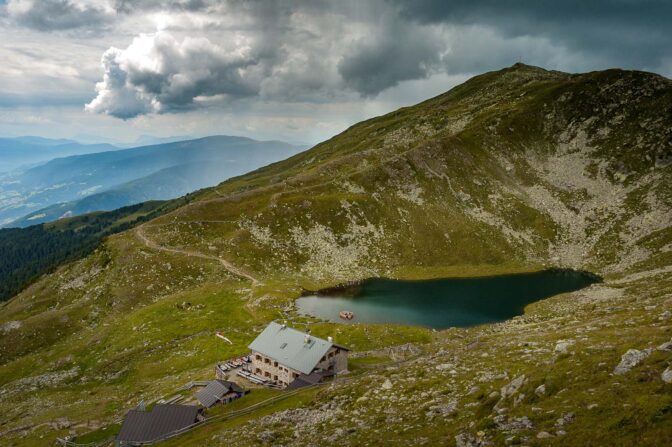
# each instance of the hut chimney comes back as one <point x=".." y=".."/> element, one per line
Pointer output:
<point x="330" y="339"/>
<point x="306" y="339"/>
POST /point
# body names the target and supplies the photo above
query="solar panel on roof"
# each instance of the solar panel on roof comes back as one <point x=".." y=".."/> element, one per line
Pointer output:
<point x="163" y="419"/>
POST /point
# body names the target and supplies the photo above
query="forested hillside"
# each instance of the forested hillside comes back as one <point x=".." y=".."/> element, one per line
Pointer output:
<point x="28" y="253"/>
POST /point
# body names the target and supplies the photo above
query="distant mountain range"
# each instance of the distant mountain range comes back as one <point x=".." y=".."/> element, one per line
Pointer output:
<point x="22" y="152"/>
<point x="103" y="181"/>
<point x="142" y="140"/>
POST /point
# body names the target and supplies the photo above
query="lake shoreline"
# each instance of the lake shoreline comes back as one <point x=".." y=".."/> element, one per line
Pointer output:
<point x="440" y="303"/>
<point x="353" y="288"/>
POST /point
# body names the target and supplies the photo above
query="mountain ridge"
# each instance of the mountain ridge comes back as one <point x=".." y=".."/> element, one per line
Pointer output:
<point x="25" y="151"/>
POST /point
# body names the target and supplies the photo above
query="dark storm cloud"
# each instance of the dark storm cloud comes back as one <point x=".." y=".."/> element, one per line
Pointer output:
<point x="383" y="59"/>
<point x="57" y="15"/>
<point x="635" y="33"/>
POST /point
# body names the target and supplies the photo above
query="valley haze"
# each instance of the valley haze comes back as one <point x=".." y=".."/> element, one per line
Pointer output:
<point x="103" y="181"/>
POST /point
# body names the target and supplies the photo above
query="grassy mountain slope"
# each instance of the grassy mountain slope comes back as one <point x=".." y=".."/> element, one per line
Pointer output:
<point x="514" y="170"/>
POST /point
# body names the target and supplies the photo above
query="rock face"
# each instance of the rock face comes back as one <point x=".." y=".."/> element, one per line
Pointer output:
<point x="629" y="360"/>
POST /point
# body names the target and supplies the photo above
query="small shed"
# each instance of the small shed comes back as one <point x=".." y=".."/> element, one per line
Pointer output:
<point x="219" y="392"/>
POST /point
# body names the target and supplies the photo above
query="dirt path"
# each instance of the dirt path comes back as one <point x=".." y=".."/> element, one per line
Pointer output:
<point x="140" y="233"/>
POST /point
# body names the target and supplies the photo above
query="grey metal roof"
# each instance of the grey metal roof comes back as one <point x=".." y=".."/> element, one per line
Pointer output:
<point x="162" y="420"/>
<point x="295" y="354"/>
<point x="305" y="380"/>
<point x="215" y="390"/>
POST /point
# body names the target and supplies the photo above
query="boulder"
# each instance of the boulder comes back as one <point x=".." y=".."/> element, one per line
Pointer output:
<point x="629" y="360"/>
<point x="467" y="440"/>
<point x="564" y="420"/>
<point x="11" y="326"/>
<point x="667" y="375"/>
<point x="444" y="366"/>
<point x="512" y="425"/>
<point x="513" y="386"/>
<point x="666" y="347"/>
<point x="562" y="346"/>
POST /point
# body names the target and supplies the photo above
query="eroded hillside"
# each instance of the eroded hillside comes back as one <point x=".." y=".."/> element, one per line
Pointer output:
<point x="514" y="170"/>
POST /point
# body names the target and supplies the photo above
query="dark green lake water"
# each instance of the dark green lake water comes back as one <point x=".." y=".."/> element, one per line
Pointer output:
<point x="442" y="303"/>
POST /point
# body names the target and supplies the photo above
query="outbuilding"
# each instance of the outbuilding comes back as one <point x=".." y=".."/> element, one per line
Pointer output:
<point x="219" y="392"/>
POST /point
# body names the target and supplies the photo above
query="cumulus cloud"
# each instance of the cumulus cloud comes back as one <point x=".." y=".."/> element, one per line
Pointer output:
<point x="158" y="73"/>
<point x="55" y="15"/>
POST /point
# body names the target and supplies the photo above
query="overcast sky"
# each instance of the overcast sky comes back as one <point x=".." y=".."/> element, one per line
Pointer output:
<point x="299" y="71"/>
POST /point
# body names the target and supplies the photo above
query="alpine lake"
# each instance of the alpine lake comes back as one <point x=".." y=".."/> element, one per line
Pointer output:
<point x="441" y="303"/>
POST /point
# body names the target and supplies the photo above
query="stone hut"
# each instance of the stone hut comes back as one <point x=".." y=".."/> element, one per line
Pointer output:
<point x="282" y="354"/>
